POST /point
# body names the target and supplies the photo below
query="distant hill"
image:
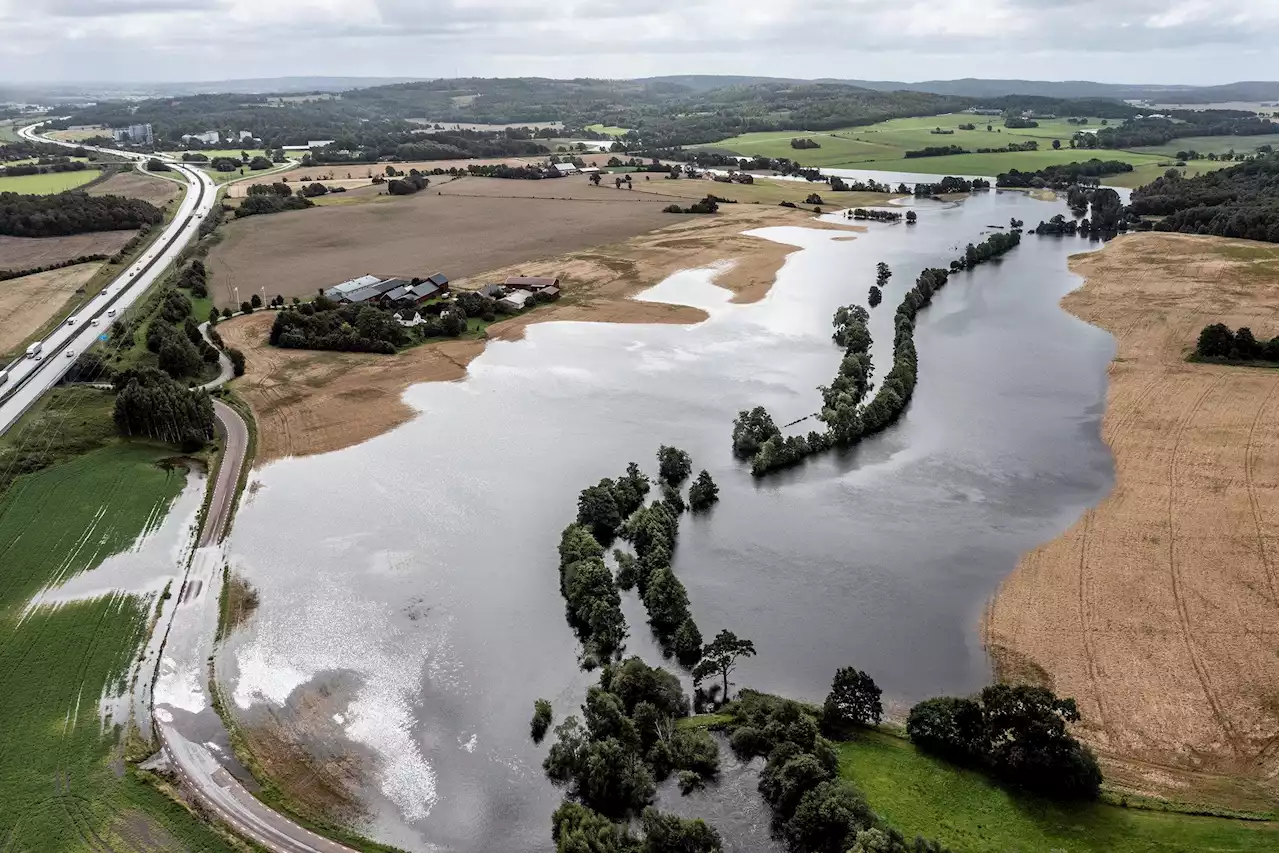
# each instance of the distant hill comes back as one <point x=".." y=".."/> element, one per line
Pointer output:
<point x="45" y="93"/>
<point x="972" y="87"/>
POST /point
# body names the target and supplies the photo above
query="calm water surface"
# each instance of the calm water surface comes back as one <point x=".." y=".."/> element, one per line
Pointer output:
<point x="408" y="585"/>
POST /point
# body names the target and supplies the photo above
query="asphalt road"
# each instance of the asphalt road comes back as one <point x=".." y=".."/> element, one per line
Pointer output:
<point x="27" y="379"/>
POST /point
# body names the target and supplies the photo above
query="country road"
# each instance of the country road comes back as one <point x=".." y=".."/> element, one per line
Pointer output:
<point x="190" y="731"/>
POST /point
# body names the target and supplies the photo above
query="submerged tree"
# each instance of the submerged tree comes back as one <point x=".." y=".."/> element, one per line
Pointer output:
<point x="751" y="429"/>
<point x="874" y="297"/>
<point x="674" y="465"/>
<point x="704" y="492"/>
<point x="883" y="274"/>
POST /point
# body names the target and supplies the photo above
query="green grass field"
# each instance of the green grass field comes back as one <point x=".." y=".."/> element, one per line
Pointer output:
<point x="881" y="146"/>
<point x="1211" y="144"/>
<point x="220" y="152"/>
<point x="46" y="184"/>
<point x="607" y="129"/>
<point x="961" y="809"/>
<point x="66" y="784"/>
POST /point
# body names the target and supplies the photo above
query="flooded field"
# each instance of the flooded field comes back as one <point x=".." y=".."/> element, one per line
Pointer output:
<point x="408" y="611"/>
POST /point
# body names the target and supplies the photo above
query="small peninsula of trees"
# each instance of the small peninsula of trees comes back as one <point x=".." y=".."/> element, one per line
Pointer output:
<point x="72" y="212"/>
<point x="949" y="184"/>
<point x="1219" y="343"/>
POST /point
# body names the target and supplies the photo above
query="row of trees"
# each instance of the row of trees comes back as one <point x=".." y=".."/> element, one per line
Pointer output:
<point x="1217" y="342"/>
<point x="1064" y="175"/>
<point x="847" y="417"/>
<point x="72" y="212"/>
<point x="949" y="184"/>
<point x="934" y="151"/>
<point x="988" y="250"/>
<point x="59" y="165"/>
<point x="877" y="215"/>
<point x="710" y="204"/>
<point x="1028" y="145"/>
<point x="260" y="204"/>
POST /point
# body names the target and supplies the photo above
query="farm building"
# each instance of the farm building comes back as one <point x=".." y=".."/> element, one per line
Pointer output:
<point x="516" y="300"/>
<point x="566" y="168"/>
<point x="524" y="282"/>
<point x="372" y="288"/>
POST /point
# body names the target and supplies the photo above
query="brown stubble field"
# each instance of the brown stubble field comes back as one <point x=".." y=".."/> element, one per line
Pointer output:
<point x="20" y="253"/>
<point x="1157" y="610"/>
<point x="314" y="402"/>
<point x="295" y="253"/>
<point x="29" y="302"/>
<point x="134" y="184"/>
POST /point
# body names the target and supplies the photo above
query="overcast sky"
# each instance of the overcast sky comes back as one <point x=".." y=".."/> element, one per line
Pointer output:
<point x="1129" y="41"/>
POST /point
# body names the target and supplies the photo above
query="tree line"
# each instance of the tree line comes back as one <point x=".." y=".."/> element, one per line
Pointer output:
<point x="150" y="404"/>
<point x="949" y="184"/>
<point x="263" y="199"/>
<point x="1178" y="124"/>
<point x="62" y="164"/>
<point x="1062" y="176"/>
<point x="72" y="212"/>
<point x="988" y="250"/>
<point x="325" y="325"/>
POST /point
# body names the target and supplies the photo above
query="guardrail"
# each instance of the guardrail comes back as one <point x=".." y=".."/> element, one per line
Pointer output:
<point x="7" y="392"/>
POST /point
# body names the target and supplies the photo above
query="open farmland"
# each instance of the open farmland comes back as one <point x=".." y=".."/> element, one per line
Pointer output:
<point x="882" y="146"/>
<point x="29" y="302"/>
<point x="134" y="184"/>
<point x="22" y="253"/>
<point x="48" y="183"/>
<point x="962" y="809"/>
<point x="1210" y="144"/>
<point x="1157" y="609"/>
<point x="66" y="784"/>
<point x="358" y="175"/>
<point x="295" y="253"/>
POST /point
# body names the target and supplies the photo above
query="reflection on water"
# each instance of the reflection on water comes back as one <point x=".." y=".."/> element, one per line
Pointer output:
<point x="423" y="563"/>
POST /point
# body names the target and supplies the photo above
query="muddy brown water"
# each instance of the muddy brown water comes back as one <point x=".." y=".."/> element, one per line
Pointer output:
<point x="421" y="565"/>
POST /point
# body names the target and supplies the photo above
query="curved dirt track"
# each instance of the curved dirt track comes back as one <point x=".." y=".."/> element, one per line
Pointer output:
<point x="1157" y="609"/>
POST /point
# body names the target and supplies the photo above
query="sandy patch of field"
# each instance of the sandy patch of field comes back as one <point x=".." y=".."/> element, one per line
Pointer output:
<point x="297" y="252"/>
<point x="134" y="184"/>
<point x="314" y="402"/>
<point x="27" y="303"/>
<point x="1157" y="610"/>
<point x="21" y="253"/>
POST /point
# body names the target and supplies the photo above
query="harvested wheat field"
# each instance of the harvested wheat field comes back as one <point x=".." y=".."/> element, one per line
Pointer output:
<point x="21" y="253"/>
<point x="1157" y="610"/>
<point x="295" y="253"/>
<point x="27" y="303"/>
<point x="134" y="184"/>
<point x="313" y="402"/>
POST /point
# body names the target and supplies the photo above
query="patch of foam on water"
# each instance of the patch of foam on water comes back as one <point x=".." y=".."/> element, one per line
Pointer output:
<point x="470" y="744"/>
<point x="336" y="630"/>
<point x="180" y="686"/>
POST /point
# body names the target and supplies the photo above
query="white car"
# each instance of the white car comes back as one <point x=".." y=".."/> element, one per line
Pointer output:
<point x="71" y="353"/>
<point x="93" y="322"/>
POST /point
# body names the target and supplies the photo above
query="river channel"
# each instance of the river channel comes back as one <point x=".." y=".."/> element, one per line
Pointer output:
<point x="409" y="612"/>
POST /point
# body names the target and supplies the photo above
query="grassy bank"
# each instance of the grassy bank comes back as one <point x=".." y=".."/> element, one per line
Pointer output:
<point x="963" y="810"/>
<point x="66" y="783"/>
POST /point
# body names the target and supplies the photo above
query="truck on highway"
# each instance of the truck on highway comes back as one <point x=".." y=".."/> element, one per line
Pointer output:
<point x="34" y="350"/>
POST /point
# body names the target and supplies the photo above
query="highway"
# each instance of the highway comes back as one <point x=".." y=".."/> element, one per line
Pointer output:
<point x="26" y="379"/>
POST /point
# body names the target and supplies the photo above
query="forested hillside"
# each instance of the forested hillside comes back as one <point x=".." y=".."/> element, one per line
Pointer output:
<point x="1239" y="201"/>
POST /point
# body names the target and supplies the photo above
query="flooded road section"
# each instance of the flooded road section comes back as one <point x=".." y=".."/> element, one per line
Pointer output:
<point x="408" y="609"/>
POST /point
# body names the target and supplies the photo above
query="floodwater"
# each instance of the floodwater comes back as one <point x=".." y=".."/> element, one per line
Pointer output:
<point x="408" y="586"/>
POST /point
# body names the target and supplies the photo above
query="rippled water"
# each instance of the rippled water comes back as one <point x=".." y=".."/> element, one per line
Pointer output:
<point x="419" y="569"/>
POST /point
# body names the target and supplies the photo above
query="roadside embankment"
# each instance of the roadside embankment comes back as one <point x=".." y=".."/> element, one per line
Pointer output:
<point x="309" y="402"/>
<point x="1156" y="611"/>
